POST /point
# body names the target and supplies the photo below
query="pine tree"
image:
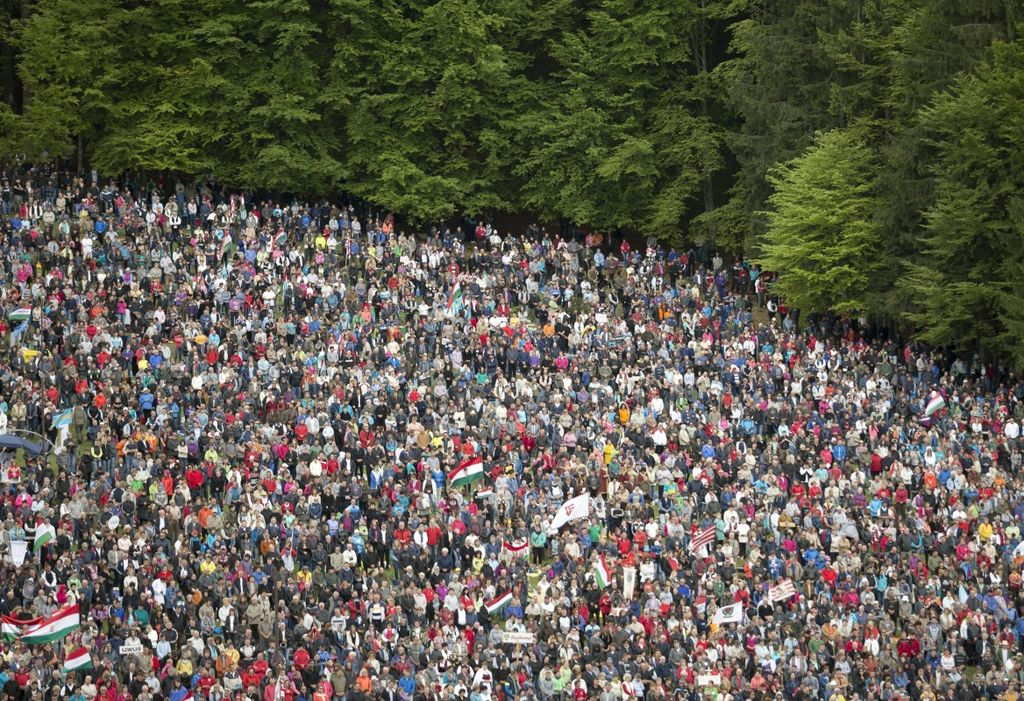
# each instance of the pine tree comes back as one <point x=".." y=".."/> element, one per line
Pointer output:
<point x="780" y="86"/>
<point x="966" y="287"/>
<point x="821" y="235"/>
<point x="430" y="90"/>
<point x="621" y="139"/>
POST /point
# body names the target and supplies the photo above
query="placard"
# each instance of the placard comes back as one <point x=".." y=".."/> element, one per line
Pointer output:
<point x="518" y="638"/>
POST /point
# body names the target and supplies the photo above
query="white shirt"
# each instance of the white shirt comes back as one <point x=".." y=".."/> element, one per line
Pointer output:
<point x="743" y="532"/>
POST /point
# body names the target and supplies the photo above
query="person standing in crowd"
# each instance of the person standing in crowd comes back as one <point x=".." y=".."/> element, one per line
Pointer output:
<point x="304" y="452"/>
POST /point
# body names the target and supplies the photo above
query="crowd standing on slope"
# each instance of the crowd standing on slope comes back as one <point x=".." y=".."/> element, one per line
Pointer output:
<point x="249" y="496"/>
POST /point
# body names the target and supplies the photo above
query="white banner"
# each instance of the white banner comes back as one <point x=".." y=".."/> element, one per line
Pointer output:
<point x="131" y="649"/>
<point x="628" y="582"/>
<point x="782" y="591"/>
<point x="576" y="508"/>
<point x="18" y="550"/>
<point x="733" y="613"/>
<point x="517" y="638"/>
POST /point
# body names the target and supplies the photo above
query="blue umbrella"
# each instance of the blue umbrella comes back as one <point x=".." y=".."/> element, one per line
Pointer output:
<point x="10" y="442"/>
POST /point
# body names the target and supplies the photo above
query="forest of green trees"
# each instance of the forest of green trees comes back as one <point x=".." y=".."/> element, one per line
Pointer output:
<point x="869" y="151"/>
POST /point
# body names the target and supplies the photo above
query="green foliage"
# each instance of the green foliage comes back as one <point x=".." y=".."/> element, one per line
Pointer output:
<point x="622" y="138"/>
<point x="967" y="284"/>
<point x="779" y="83"/>
<point x="430" y="89"/>
<point x="821" y="236"/>
<point x="70" y="69"/>
<point x="692" y="120"/>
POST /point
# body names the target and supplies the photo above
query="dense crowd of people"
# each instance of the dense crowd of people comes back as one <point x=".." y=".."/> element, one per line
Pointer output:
<point x="250" y="496"/>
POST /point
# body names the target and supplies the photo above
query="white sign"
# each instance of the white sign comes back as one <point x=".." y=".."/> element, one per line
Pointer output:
<point x="517" y="638"/>
<point x="628" y="582"/>
<point x="131" y="649"/>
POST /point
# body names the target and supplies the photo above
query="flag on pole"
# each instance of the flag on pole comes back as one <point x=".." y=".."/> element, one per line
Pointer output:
<point x="468" y="472"/>
<point x="601" y="573"/>
<point x="782" y="591"/>
<point x="13" y="627"/>
<point x="498" y="602"/>
<point x="62" y="418"/>
<point x="517" y="549"/>
<point x="20" y="314"/>
<point x="702" y="538"/>
<point x="576" y="508"/>
<point x="54" y="628"/>
<point x="484" y="492"/>
<point x="733" y="613"/>
<point x="628" y="582"/>
<point x="455" y="298"/>
<point x="19" y="330"/>
<point x="44" y="534"/>
<point x="936" y="402"/>
<point x="19" y="548"/>
<point x="79" y="658"/>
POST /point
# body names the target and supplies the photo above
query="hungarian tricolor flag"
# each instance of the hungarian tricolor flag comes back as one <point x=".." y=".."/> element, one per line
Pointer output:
<point x="601" y="573"/>
<point x="14" y="627"/>
<point x="455" y="298"/>
<point x="20" y="314"/>
<point x="79" y="658"/>
<point x="468" y="472"/>
<point x="498" y="602"/>
<point x="54" y="628"/>
<point x="44" y="534"/>
<point x="936" y="402"/>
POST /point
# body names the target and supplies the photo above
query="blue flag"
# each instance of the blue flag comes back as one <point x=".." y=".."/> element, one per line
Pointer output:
<point x="62" y="418"/>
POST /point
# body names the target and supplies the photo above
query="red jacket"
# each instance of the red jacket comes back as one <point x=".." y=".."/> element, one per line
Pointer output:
<point x="908" y="647"/>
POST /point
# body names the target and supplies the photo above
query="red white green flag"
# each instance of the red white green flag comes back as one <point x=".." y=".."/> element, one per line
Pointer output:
<point x="54" y="628"/>
<point x="79" y="658"/>
<point x="498" y="602"/>
<point x="468" y="472"/>
<point x="601" y="573"/>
